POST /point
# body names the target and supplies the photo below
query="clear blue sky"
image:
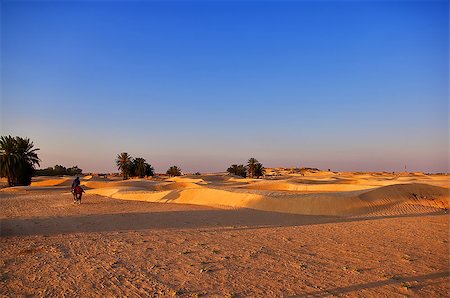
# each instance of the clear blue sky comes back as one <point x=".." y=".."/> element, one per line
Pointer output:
<point x="346" y="85"/>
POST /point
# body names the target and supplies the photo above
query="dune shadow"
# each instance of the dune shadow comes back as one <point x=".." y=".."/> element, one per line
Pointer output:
<point x="192" y="219"/>
<point x="236" y="219"/>
<point x="422" y="279"/>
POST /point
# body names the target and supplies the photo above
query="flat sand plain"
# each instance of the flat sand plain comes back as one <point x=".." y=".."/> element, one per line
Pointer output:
<point x="319" y="234"/>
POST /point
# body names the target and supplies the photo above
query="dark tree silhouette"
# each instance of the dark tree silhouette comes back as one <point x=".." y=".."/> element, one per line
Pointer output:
<point x="149" y="170"/>
<point x="124" y="164"/>
<point x="139" y="167"/>
<point x="251" y="167"/>
<point x="259" y="170"/>
<point x="17" y="160"/>
<point x="174" y="171"/>
<point x="238" y="170"/>
<point x="73" y="171"/>
<point x="58" y="170"/>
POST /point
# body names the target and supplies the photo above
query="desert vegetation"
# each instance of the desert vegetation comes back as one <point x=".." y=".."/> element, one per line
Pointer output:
<point x="253" y="169"/>
<point x="18" y="158"/>
<point x="133" y="167"/>
<point x="58" y="170"/>
<point x="238" y="170"/>
<point x="304" y="170"/>
<point x="140" y="168"/>
<point x="174" y="171"/>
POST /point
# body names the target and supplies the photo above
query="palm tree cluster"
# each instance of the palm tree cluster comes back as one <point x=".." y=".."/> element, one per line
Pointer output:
<point x="253" y="169"/>
<point x="238" y="170"/>
<point x="133" y="167"/>
<point x="174" y="171"/>
<point x="18" y="158"/>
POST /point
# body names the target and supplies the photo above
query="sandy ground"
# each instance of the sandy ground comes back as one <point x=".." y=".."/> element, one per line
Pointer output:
<point x="380" y="235"/>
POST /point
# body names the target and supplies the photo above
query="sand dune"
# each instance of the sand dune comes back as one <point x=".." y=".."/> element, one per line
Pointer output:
<point x="141" y="183"/>
<point x="318" y="193"/>
<point x="355" y="195"/>
<point x="412" y="198"/>
<point x="305" y="187"/>
<point x="51" y="182"/>
<point x="407" y="195"/>
<point x="187" y="180"/>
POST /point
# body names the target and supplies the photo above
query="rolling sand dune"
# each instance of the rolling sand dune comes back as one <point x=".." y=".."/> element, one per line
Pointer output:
<point x="52" y="182"/>
<point x="318" y="235"/>
<point x="339" y="204"/>
<point x="141" y="183"/>
<point x="345" y="197"/>
<point x="305" y="187"/>
<point x="414" y="194"/>
<point x="187" y="180"/>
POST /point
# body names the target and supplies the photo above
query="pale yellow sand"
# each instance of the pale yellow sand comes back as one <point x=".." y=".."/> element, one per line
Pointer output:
<point x="50" y="182"/>
<point x="324" y="194"/>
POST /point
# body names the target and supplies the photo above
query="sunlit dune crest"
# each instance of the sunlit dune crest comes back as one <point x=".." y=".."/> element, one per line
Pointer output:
<point x="316" y="194"/>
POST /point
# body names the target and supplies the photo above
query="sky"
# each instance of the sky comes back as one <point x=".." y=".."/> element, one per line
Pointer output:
<point x="345" y="85"/>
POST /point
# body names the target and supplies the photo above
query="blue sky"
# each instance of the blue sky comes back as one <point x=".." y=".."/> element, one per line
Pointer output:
<point x="346" y="85"/>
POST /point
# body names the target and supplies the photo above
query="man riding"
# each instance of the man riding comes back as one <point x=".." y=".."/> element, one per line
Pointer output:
<point x="75" y="183"/>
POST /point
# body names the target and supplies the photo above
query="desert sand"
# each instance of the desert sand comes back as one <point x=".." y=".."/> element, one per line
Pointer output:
<point x="315" y="234"/>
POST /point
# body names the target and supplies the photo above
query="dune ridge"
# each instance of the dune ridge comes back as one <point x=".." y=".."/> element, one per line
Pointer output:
<point x="51" y="182"/>
<point x="343" y="198"/>
<point x="318" y="193"/>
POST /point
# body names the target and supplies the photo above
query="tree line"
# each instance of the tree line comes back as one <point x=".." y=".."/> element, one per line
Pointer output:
<point x="253" y="169"/>
<point x="138" y="167"/>
<point x="133" y="167"/>
<point x="58" y="170"/>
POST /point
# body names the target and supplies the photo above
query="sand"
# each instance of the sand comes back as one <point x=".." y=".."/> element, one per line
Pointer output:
<point x="217" y="236"/>
<point x="322" y="193"/>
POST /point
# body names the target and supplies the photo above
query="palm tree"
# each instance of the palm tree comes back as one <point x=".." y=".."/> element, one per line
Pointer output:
<point x="9" y="159"/>
<point x="28" y="158"/>
<point x="139" y="167"/>
<point x="232" y="169"/>
<point x="17" y="160"/>
<point x="174" y="171"/>
<point x="26" y="151"/>
<point x="251" y="167"/>
<point x="149" y="170"/>
<point x="259" y="170"/>
<point x="124" y="164"/>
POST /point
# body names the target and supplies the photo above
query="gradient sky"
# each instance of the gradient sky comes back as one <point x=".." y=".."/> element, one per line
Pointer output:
<point x="346" y="85"/>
